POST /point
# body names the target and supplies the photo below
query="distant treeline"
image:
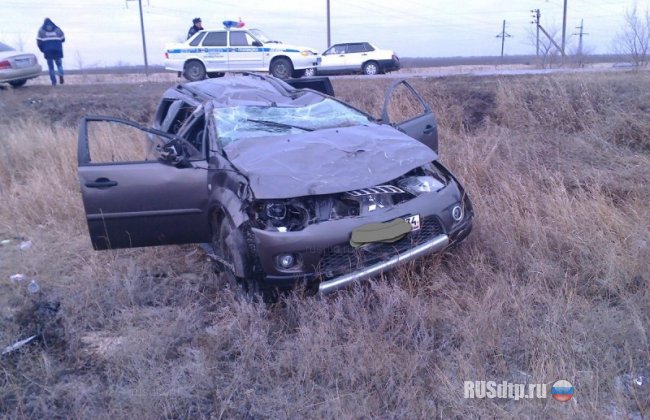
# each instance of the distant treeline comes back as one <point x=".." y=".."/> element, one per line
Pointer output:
<point x="492" y="60"/>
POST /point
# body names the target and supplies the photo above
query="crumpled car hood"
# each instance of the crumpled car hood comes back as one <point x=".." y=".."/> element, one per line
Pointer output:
<point x="326" y="161"/>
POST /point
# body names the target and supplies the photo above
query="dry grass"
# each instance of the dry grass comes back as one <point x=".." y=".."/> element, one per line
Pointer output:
<point x="552" y="284"/>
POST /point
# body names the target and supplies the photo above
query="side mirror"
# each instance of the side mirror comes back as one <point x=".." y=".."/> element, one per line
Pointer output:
<point x="175" y="154"/>
<point x="257" y="44"/>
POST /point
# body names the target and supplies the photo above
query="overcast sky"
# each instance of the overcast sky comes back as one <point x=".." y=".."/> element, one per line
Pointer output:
<point x="107" y="32"/>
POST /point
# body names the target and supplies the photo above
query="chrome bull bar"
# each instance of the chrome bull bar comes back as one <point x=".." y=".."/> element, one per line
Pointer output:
<point x="435" y="245"/>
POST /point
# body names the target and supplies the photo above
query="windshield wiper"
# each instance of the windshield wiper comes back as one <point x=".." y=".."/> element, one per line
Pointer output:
<point x="279" y="124"/>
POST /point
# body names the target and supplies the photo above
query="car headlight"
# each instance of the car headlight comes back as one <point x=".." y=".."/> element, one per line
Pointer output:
<point x="281" y="215"/>
<point x="276" y="211"/>
<point x="306" y="53"/>
<point x="417" y="185"/>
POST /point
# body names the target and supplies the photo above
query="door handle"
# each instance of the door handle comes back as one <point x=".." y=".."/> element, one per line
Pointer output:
<point x="364" y="54"/>
<point x="429" y="129"/>
<point x="101" y="183"/>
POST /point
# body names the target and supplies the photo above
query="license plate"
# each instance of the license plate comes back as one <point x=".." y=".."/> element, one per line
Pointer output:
<point x="22" y="62"/>
<point x="414" y="221"/>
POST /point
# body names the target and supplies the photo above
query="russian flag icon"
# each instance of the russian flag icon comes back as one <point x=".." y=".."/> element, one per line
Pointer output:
<point x="562" y="390"/>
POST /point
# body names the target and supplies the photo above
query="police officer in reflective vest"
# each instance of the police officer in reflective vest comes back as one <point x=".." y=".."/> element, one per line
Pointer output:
<point x="50" y="41"/>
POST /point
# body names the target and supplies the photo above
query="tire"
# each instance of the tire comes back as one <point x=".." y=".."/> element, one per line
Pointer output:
<point x="215" y="74"/>
<point x="281" y="68"/>
<point x="296" y="74"/>
<point x="231" y="245"/>
<point x="371" y="68"/>
<point x="18" y="83"/>
<point x="310" y="72"/>
<point x="194" y="71"/>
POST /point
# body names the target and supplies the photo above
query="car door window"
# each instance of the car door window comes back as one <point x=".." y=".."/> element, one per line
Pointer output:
<point x="240" y="39"/>
<point x="336" y="49"/>
<point x="193" y="132"/>
<point x="403" y="104"/>
<point x="197" y="40"/>
<point x="356" y="48"/>
<point x="113" y="142"/>
<point x="176" y="116"/>
<point x="215" y="39"/>
<point x="406" y="110"/>
<point x="162" y="111"/>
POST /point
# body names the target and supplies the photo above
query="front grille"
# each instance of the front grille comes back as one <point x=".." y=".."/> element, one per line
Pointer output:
<point x="379" y="189"/>
<point x="344" y="258"/>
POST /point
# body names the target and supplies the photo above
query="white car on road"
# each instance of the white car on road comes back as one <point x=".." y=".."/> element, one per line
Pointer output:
<point x="357" y="57"/>
<point x="213" y="52"/>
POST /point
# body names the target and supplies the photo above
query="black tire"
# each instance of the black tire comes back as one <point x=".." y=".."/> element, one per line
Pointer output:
<point x="194" y="71"/>
<point x="371" y="68"/>
<point x="231" y="245"/>
<point x="215" y="74"/>
<point x="281" y="68"/>
<point x="18" y="83"/>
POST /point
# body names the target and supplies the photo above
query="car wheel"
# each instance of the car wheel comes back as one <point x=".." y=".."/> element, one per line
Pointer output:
<point x="231" y="247"/>
<point x="371" y="68"/>
<point x="18" y="83"/>
<point x="194" y="71"/>
<point x="310" y="72"/>
<point x="281" y="68"/>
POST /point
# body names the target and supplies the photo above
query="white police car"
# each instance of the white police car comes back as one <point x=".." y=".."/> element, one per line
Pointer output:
<point x="213" y="52"/>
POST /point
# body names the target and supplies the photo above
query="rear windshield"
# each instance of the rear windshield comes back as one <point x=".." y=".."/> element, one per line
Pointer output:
<point x="239" y="122"/>
<point x="4" y="47"/>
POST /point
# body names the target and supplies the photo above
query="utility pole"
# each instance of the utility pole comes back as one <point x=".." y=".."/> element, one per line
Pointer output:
<point x="536" y="15"/>
<point x="503" y="35"/>
<point x="144" y="42"/>
<point x="329" y="38"/>
<point x="564" y="30"/>
<point x="581" y="34"/>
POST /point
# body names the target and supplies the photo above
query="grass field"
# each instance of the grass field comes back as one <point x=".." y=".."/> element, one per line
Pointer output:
<point x="552" y="284"/>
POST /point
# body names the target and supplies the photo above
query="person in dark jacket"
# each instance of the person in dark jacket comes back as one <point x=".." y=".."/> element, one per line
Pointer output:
<point x="50" y="41"/>
<point x="196" y="26"/>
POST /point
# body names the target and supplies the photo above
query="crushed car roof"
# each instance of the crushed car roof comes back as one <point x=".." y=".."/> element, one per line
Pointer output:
<point x="250" y="90"/>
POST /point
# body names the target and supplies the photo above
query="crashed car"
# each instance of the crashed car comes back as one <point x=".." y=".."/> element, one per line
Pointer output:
<point x="288" y="186"/>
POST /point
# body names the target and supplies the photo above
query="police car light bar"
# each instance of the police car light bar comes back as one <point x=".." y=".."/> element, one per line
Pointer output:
<point x="233" y="24"/>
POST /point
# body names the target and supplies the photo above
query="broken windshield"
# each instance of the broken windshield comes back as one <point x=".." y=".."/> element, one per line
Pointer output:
<point x="240" y="122"/>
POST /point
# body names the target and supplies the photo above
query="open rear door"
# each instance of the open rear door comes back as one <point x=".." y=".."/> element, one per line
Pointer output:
<point x="405" y="109"/>
<point x="131" y="197"/>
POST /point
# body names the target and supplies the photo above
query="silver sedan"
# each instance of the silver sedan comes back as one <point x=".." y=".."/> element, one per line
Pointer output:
<point x="17" y="67"/>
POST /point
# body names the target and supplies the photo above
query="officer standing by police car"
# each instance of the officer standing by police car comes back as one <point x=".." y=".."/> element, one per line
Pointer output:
<point x="196" y="26"/>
